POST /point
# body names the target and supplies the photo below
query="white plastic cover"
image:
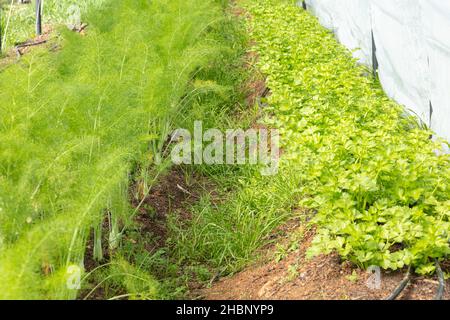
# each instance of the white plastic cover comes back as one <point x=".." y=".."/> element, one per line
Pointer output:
<point x="436" y="14"/>
<point x="412" y="40"/>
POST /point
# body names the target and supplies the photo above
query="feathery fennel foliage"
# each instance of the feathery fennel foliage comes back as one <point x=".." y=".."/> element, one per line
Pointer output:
<point x="74" y="124"/>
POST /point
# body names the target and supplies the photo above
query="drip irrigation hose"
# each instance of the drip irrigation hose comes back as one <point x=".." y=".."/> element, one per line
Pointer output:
<point x="401" y="286"/>
<point x="441" y="287"/>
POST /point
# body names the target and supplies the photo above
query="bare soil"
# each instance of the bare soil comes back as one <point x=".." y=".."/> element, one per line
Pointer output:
<point x="323" y="278"/>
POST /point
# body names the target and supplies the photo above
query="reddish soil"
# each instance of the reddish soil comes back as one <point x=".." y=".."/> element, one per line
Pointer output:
<point x="322" y="278"/>
<point x="174" y="193"/>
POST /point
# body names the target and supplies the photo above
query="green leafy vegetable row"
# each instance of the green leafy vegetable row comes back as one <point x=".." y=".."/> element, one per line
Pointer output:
<point x="379" y="185"/>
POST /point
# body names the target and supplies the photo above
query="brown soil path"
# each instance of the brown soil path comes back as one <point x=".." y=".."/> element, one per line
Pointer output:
<point x="290" y="276"/>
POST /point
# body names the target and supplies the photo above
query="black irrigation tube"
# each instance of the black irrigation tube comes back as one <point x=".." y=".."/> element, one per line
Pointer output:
<point x="440" y="290"/>
<point x="401" y="286"/>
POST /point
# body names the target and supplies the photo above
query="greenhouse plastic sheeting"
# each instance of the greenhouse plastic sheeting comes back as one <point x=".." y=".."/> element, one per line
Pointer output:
<point x="351" y="22"/>
<point x="411" y="43"/>
<point x="437" y="35"/>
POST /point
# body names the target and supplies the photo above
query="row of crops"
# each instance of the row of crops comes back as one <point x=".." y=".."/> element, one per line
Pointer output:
<point x="79" y="124"/>
<point x="378" y="184"/>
